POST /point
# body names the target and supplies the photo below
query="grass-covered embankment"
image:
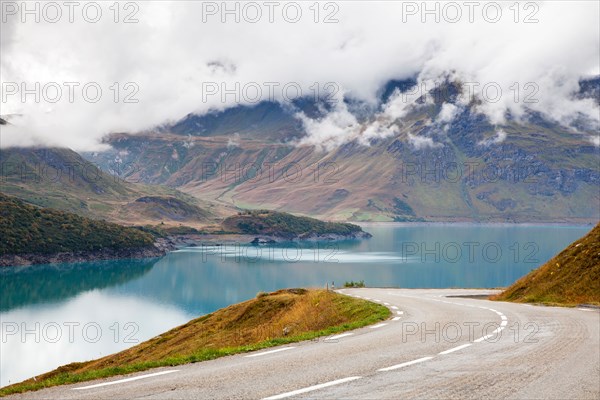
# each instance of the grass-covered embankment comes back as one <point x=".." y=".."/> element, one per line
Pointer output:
<point x="270" y="319"/>
<point x="570" y="278"/>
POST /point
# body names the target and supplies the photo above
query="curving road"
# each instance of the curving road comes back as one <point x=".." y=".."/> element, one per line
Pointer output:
<point x="436" y="346"/>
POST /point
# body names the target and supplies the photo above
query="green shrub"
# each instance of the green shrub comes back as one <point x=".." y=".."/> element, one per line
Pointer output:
<point x="272" y="222"/>
<point x="352" y="284"/>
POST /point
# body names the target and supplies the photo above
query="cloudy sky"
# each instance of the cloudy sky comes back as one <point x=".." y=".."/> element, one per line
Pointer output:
<point x="155" y="62"/>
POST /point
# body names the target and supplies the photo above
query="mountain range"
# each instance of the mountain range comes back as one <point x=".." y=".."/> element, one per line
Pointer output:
<point x="530" y="169"/>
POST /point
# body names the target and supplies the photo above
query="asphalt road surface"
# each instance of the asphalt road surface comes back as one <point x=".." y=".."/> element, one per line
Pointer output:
<point x="436" y="346"/>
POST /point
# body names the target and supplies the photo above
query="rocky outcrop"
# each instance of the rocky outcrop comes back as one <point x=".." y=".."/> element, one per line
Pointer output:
<point x="159" y="249"/>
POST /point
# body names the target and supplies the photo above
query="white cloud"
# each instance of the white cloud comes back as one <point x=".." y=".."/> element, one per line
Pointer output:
<point x="171" y="54"/>
<point x="422" y="142"/>
<point x="497" y="139"/>
<point x="233" y="141"/>
<point x="337" y="127"/>
<point x="447" y="113"/>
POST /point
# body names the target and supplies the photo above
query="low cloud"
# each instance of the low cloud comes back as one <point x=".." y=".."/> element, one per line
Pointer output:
<point x="165" y="60"/>
<point x="234" y="141"/>
<point x="422" y="142"/>
<point x="447" y="113"/>
<point x="336" y="128"/>
<point x="497" y="139"/>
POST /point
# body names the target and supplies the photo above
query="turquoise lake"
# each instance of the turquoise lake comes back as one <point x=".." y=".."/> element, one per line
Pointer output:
<point x="55" y="314"/>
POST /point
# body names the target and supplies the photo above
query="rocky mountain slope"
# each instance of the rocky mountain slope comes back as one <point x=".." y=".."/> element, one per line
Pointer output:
<point x="531" y="169"/>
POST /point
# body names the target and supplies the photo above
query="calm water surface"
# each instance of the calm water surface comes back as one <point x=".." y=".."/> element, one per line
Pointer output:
<point x="55" y="314"/>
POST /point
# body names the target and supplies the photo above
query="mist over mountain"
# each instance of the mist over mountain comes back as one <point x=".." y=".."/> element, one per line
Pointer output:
<point x="439" y="159"/>
<point x="377" y="115"/>
<point x="166" y="65"/>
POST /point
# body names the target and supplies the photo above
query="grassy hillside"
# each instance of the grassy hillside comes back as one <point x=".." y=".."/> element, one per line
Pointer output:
<point x="26" y="229"/>
<point x="571" y="277"/>
<point x="268" y="320"/>
<point x="285" y="225"/>
<point x="60" y="178"/>
<point x="169" y="208"/>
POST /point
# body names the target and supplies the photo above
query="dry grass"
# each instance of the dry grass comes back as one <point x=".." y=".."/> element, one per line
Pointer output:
<point x="254" y="321"/>
<point x="572" y="277"/>
<point x="270" y="319"/>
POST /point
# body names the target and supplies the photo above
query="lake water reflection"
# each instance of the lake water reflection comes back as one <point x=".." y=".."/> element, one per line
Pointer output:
<point x="55" y="314"/>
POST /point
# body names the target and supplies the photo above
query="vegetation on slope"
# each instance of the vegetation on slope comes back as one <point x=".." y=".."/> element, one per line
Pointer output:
<point x="572" y="277"/>
<point x="60" y="178"/>
<point x="160" y="208"/>
<point x="286" y="225"/>
<point x="26" y="229"/>
<point x="270" y="319"/>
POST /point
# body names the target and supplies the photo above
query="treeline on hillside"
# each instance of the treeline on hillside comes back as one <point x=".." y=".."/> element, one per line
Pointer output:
<point x="277" y="223"/>
<point x="25" y="229"/>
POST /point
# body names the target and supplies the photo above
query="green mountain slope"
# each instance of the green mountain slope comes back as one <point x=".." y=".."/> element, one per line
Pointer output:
<point x="26" y="229"/>
<point x="60" y="178"/>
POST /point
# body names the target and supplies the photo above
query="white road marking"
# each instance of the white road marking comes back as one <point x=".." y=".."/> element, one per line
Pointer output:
<point x="455" y="348"/>
<point x="339" y="336"/>
<point x="377" y="326"/>
<point x="502" y="326"/>
<point x="406" y="364"/>
<point x="386" y="304"/>
<point x="395" y="318"/>
<point x="399" y="312"/>
<point x="584" y="309"/>
<point x="312" y="388"/>
<point x="135" y="378"/>
<point x="377" y="300"/>
<point x="394" y="308"/>
<point x="270" y="352"/>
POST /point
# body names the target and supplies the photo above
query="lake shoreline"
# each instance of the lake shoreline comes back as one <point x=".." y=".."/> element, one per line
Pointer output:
<point x="20" y="260"/>
<point x="160" y="248"/>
